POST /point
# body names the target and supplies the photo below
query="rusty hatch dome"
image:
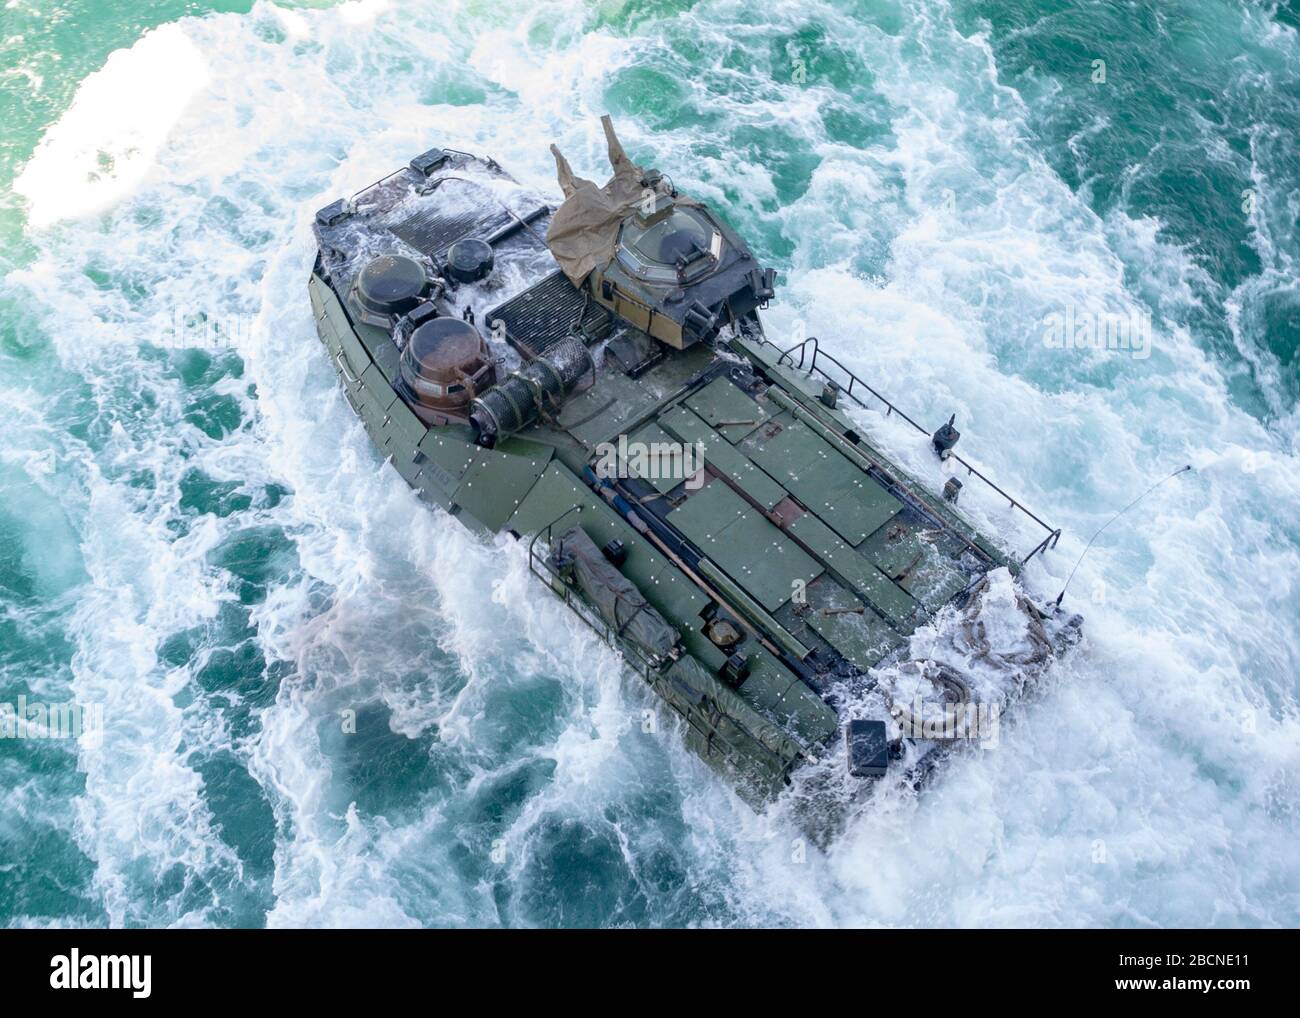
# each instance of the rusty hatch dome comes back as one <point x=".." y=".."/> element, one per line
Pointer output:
<point x="446" y="363"/>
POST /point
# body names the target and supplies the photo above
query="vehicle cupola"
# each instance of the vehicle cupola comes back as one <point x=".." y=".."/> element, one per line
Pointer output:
<point x="444" y="366"/>
<point x="660" y="260"/>
<point x="670" y="243"/>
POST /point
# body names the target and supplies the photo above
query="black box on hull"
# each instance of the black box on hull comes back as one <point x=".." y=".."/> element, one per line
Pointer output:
<point x="868" y="743"/>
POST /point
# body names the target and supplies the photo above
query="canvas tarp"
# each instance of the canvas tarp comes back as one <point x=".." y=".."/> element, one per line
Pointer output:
<point x="615" y="597"/>
<point x="584" y="230"/>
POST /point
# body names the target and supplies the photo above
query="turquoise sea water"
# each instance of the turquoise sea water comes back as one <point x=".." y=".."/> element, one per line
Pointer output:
<point x="200" y="539"/>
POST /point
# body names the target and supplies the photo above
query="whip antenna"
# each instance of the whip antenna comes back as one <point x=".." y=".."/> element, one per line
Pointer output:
<point x="1180" y="470"/>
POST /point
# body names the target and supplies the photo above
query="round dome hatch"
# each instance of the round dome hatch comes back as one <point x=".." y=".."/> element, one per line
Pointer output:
<point x="391" y="285"/>
<point x="469" y="260"/>
<point x="446" y="364"/>
<point x="445" y="344"/>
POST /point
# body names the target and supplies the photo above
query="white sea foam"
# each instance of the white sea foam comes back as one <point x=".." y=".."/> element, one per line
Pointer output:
<point x="105" y="145"/>
<point x="1130" y="789"/>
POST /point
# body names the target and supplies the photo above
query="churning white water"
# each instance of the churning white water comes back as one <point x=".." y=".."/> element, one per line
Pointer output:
<point x="247" y="571"/>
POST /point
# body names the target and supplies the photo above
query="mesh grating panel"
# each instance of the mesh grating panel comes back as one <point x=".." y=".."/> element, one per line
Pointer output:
<point x="459" y="209"/>
<point x="544" y="314"/>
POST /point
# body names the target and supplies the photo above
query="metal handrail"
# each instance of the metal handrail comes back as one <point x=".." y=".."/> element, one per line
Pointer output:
<point x="547" y="531"/>
<point x="1053" y="533"/>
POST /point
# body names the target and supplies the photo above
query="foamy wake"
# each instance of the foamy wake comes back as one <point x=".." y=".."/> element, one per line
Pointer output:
<point x="507" y="776"/>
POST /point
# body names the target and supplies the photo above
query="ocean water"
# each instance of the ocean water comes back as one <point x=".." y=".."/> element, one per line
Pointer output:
<point x="196" y="536"/>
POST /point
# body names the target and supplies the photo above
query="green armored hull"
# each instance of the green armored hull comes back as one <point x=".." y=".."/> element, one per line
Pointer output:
<point x="594" y="380"/>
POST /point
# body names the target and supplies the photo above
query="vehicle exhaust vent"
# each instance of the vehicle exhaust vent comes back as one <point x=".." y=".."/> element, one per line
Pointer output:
<point x="536" y="392"/>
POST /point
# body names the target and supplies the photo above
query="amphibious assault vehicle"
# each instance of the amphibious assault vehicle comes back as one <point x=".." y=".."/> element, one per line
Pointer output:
<point x="593" y="379"/>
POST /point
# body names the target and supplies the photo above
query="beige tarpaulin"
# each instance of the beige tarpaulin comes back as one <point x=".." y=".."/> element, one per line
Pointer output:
<point x="584" y="230"/>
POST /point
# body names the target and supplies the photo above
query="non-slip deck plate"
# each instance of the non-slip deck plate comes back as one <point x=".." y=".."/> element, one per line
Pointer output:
<point x="706" y="513"/>
<point x="919" y="560"/>
<point x="725" y="407"/>
<point x="861" y="575"/>
<point x="723" y="457"/>
<point x="860" y="635"/>
<point x="746" y="546"/>
<point x="821" y="478"/>
<point x="763" y="560"/>
<point x="663" y="468"/>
